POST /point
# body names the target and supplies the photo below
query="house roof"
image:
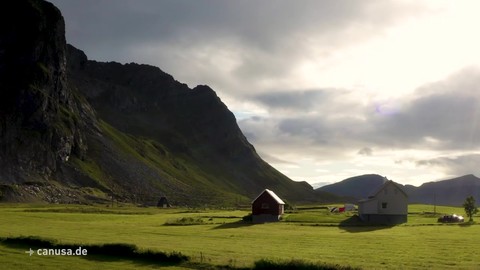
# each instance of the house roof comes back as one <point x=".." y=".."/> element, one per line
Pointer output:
<point x="380" y="188"/>
<point x="272" y="194"/>
<point x="365" y="200"/>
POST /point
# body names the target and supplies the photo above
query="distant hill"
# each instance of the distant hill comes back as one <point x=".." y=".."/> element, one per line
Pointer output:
<point x="447" y="192"/>
<point x="356" y="187"/>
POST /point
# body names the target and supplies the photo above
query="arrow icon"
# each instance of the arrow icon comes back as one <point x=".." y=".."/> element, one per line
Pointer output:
<point x="30" y="251"/>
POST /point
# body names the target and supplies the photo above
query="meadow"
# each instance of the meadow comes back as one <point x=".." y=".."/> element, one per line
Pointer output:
<point x="216" y="239"/>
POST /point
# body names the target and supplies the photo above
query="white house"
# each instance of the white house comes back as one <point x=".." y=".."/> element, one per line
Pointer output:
<point x="387" y="205"/>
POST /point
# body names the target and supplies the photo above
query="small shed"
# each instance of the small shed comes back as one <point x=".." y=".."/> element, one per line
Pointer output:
<point x="267" y="207"/>
<point x="163" y="202"/>
<point x="387" y="205"/>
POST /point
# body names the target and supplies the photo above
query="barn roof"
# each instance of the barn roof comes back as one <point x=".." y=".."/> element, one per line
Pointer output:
<point x="384" y="185"/>
<point x="272" y="194"/>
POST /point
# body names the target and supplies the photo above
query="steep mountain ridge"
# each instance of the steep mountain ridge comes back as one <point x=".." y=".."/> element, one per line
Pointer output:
<point x="192" y="125"/>
<point x="76" y="130"/>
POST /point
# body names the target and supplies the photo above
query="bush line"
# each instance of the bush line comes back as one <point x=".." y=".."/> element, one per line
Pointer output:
<point x="265" y="264"/>
<point x="128" y="251"/>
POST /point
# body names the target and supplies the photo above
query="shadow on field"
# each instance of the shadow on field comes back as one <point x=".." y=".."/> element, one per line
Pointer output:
<point x="108" y="252"/>
<point x="467" y="224"/>
<point x="233" y="225"/>
<point x="138" y="262"/>
<point x="353" y="224"/>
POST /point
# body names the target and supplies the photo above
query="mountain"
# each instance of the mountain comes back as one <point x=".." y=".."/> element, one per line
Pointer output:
<point x="447" y="192"/>
<point x="356" y="187"/>
<point x="189" y="132"/>
<point x="77" y="130"/>
<point x="42" y="123"/>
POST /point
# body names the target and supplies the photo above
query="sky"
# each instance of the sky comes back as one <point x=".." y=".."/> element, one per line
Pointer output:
<point x="324" y="89"/>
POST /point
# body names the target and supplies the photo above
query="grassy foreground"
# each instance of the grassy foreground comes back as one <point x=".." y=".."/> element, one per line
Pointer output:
<point x="213" y="239"/>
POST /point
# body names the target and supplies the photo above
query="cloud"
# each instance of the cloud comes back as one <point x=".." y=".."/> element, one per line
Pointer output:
<point x="237" y="47"/>
<point x="440" y="118"/>
<point x="274" y="160"/>
<point x="446" y="117"/>
<point x="265" y="25"/>
<point x="455" y="165"/>
<point x="295" y="100"/>
<point x="365" y="151"/>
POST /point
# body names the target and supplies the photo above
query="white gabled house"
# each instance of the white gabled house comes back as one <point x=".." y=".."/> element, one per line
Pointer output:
<point x="387" y="205"/>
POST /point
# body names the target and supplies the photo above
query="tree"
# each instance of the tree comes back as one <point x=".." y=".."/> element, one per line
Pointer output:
<point x="470" y="208"/>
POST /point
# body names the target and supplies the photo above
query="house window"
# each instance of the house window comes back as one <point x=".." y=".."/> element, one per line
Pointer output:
<point x="265" y="206"/>
<point x="384" y="205"/>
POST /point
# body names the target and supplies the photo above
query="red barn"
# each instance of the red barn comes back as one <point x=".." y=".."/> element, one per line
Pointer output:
<point x="267" y="207"/>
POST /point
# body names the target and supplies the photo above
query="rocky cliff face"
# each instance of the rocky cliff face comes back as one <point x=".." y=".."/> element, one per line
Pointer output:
<point x="145" y="101"/>
<point x="40" y="119"/>
<point x="75" y="130"/>
<point x="193" y="125"/>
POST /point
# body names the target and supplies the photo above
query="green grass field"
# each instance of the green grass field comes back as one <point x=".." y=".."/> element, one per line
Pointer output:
<point x="219" y="238"/>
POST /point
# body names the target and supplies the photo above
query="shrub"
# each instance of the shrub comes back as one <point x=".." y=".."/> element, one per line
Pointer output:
<point x="185" y="221"/>
<point x="32" y="241"/>
<point x="173" y="257"/>
<point x="122" y="250"/>
<point x="114" y="249"/>
<point x="297" y="265"/>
